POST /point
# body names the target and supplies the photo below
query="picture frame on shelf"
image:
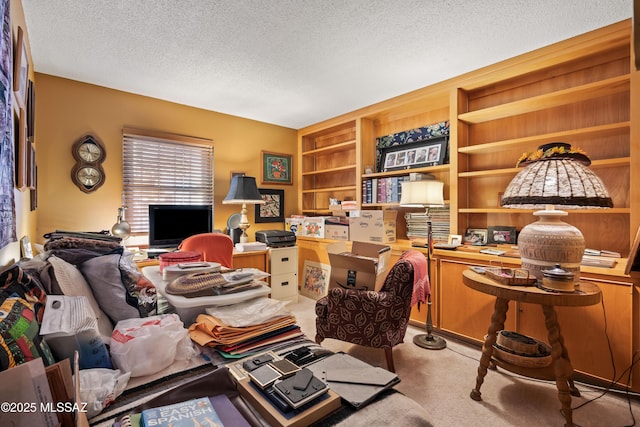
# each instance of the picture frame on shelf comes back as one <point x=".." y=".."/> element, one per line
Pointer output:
<point x="455" y="239"/>
<point x="20" y="69"/>
<point x="475" y="236"/>
<point x="273" y="208"/>
<point x="429" y="152"/>
<point x="498" y="234"/>
<point x="315" y="283"/>
<point x="276" y="168"/>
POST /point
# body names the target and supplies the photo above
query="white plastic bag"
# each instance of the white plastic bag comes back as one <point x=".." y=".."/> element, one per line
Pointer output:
<point x="144" y="346"/>
<point x="99" y="387"/>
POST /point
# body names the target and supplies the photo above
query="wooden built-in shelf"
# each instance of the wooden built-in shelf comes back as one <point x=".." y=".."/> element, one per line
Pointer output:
<point x="549" y="100"/>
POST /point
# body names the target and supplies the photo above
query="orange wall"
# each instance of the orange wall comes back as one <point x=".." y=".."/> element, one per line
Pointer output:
<point x="66" y="110"/>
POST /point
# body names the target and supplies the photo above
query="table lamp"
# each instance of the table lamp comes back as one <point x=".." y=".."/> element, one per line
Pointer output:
<point x="425" y="193"/>
<point x="121" y="228"/>
<point x="554" y="175"/>
<point x="243" y="190"/>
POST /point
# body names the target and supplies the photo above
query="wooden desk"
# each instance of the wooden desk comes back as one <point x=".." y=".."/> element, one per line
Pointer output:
<point x="560" y="369"/>
<point x="253" y="259"/>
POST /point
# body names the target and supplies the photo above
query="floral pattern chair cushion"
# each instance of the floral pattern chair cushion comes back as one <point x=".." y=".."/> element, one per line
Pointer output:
<point x="369" y="318"/>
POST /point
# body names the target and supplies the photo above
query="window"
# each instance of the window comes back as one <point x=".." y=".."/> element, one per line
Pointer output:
<point x="163" y="169"/>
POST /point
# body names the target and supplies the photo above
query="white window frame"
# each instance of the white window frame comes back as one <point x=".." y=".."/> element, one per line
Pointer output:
<point x="161" y="168"/>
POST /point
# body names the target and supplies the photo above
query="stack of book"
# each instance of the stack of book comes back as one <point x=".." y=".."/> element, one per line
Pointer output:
<point x="417" y="227"/>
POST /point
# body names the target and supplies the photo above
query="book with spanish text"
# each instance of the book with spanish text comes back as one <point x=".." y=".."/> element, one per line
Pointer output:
<point x="184" y="414"/>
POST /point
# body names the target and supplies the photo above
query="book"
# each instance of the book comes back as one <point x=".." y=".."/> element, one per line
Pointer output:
<point x="183" y="414"/>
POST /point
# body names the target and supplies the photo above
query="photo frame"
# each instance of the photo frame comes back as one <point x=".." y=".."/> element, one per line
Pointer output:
<point x="20" y="69"/>
<point x="430" y="152"/>
<point x="633" y="262"/>
<point x="455" y="239"/>
<point x="273" y="208"/>
<point x="22" y="154"/>
<point x="475" y="236"/>
<point x="236" y="173"/>
<point x="276" y="168"/>
<point x="315" y="283"/>
<point x="31" y="110"/>
<point x="501" y="235"/>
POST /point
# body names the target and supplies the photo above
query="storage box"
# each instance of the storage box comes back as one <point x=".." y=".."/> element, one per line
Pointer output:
<point x="179" y="257"/>
<point x="313" y="226"/>
<point x="311" y="413"/>
<point x="364" y="268"/>
<point x="373" y="226"/>
<point x="294" y="224"/>
<point x="337" y="228"/>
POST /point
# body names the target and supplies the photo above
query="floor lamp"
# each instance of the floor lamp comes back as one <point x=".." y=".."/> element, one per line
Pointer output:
<point x="425" y="193"/>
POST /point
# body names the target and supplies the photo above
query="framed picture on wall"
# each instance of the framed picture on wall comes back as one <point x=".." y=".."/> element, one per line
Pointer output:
<point x="20" y="69"/>
<point x="273" y="208"/>
<point x="276" y="168"/>
<point x="315" y="280"/>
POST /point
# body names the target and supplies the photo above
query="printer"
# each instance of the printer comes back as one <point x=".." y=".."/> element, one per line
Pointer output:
<point x="276" y="238"/>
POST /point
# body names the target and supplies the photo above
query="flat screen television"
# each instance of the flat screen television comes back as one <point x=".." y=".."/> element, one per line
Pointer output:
<point x="171" y="224"/>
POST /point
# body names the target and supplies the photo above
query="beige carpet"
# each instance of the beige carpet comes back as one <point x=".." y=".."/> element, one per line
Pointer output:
<point x="441" y="380"/>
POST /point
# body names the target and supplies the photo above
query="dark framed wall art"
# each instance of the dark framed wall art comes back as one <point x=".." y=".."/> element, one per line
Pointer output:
<point x="273" y="208"/>
<point x="276" y="168"/>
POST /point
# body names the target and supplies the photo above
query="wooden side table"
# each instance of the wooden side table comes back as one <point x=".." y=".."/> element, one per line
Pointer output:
<point x="560" y="369"/>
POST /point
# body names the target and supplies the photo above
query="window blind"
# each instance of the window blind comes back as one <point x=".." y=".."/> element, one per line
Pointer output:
<point x="164" y="170"/>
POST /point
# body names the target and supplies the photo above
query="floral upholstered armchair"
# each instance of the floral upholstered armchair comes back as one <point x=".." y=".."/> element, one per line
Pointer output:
<point x="369" y="318"/>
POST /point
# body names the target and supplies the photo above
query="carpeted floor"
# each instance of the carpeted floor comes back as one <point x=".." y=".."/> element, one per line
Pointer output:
<point x="440" y="381"/>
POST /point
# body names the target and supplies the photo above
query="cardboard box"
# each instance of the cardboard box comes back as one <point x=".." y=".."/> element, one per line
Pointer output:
<point x="377" y="226"/>
<point x="326" y="404"/>
<point x="336" y="231"/>
<point x="313" y="226"/>
<point x="364" y="268"/>
<point x="294" y="224"/>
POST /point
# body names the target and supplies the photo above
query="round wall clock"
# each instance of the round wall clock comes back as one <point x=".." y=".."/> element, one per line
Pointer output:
<point x="87" y="174"/>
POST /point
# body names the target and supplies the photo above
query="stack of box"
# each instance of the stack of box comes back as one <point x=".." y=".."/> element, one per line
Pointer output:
<point x="377" y="226"/>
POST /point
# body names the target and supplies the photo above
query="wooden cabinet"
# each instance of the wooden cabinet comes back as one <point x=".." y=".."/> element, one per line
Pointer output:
<point x="330" y="160"/>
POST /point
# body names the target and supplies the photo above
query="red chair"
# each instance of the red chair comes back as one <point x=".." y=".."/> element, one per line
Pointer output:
<point x="214" y="247"/>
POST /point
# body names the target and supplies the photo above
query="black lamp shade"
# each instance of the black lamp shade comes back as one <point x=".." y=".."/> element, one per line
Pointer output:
<point x="243" y="190"/>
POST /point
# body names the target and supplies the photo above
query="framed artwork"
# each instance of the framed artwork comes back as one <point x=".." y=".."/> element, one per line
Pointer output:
<point x="315" y="283"/>
<point x="236" y="173"/>
<point x="21" y="153"/>
<point x="475" y="236"/>
<point x="273" y="208"/>
<point x="276" y="168"/>
<point x="31" y="110"/>
<point x="633" y="263"/>
<point x="20" y="70"/>
<point x="455" y="239"/>
<point x="501" y="235"/>
<point x="430" y="152"/>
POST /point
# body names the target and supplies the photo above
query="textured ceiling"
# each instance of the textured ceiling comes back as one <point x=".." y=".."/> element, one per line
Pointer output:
<point x="293" y="62"/>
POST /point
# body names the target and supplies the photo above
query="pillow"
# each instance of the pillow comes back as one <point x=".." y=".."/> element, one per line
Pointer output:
<point x="21" y="309"/>
<point x="73" y="283"/>
<point x="103" y="275"/>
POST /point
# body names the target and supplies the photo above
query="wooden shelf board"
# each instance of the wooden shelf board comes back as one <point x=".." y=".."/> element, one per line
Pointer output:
<point x="428" y="169"/>
<point x="618" y="161"/>
<point x="328" y="189"/>
<point x="570" y="135"/>
<point x="332" y="170"/>
<point x="571" y="211"/>
<point x="342" y="146"/>
<point x="541" y="102"/>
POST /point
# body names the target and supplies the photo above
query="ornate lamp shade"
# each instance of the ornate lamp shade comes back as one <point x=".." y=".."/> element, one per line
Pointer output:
<point x="243" y="190"/>
<point x="555" y="175"/>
